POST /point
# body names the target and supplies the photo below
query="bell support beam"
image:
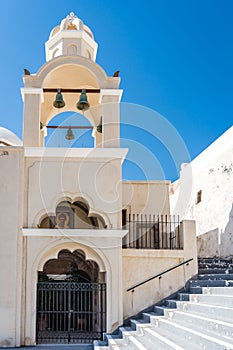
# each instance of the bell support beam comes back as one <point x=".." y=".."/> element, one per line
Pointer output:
<point x="32" y="98"/>
<point x="110" y="100"/>
<point x="72" y="91"/>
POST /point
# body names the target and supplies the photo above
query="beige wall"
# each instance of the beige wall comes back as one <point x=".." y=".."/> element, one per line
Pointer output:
<point x="139" y="265"/>
<point x="148" y="197"/>
<point x="11" y="189"/>
<point x="92" y="175"/>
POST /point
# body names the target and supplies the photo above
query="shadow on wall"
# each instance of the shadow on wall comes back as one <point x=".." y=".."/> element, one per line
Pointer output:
<point x="209" y="244"/>
<point x="226" y="247"/>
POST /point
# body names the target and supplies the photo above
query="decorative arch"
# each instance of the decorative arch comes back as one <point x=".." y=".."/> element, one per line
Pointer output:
<point x="72" y="198"/>
<point x="40" y="216"/>
<point x="72" y="215"/>
<point x="70" y="266"/>
<point x="51" y="251"/>
<point x="82" y="295"/>
<point x="61" y="61"/>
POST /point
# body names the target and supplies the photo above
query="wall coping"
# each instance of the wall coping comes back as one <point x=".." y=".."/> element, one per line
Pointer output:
<point x="87" y="153"/>
<point x="40" y="232"/>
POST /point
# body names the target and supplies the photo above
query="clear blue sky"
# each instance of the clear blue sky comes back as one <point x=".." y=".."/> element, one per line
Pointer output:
<point x="175" y="57"/>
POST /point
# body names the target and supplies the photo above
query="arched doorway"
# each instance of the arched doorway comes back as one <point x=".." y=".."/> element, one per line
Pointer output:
<point x="71" y="300"/>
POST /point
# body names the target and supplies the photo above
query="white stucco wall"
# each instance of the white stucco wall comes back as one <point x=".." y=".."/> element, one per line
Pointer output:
<point x="11" y="189"/>
<point x="212" y="173"/>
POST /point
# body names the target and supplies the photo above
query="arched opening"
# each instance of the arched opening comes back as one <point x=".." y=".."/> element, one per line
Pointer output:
<point x="72" y="216"/>
<point x="61" y="134"/>
<point x="72" y="50"/>
<point x="88" y="54"/>
<point x="55" y="53"/>
<point x="71" y="300"/>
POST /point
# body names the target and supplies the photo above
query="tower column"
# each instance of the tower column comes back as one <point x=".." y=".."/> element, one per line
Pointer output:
<point x="32" y="98"/>
<point x="110" y="100"/>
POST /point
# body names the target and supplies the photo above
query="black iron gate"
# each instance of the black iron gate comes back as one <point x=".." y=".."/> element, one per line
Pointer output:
<point x="70" y="312"/>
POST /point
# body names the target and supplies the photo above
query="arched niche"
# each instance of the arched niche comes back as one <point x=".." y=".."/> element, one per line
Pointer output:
<point x="72" y="216"/>
<point x="72" y="50"/>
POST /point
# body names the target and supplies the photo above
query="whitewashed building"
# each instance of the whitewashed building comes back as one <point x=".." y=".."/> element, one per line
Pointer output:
<point x="211" y="176"/>
<point x="75" y="238"/>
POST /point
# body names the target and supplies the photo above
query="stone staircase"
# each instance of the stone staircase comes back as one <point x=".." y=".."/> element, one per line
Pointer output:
<point x="199" y="317"/>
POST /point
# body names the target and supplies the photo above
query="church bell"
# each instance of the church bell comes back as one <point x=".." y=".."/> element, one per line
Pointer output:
<point x="99" y="127"/>
<point x="59" y="102"/>
<point x="83" y="103"/>
<point x="69" y="134"/>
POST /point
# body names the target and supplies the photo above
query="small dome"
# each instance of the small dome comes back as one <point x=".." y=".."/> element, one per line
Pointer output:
<point x="71" y="22"/>
<point x="8" y="138"/>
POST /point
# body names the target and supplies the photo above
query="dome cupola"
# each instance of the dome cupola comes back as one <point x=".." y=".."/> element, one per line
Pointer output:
<point x="71" y="38"/>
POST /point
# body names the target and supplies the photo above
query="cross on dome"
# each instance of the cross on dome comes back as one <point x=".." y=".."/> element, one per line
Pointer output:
<point x="71" y="17"/>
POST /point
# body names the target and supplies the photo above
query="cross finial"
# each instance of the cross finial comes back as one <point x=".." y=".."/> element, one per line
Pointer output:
<point x="71" y="17"/>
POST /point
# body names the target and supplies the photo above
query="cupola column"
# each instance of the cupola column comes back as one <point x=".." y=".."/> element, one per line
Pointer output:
<point x="110" y="100"/>
<point x="32" y="98"/>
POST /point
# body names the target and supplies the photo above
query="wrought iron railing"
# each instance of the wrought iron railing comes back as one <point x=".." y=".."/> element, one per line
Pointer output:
<point x="153" y="232"/>
<point x="159" y="275"/>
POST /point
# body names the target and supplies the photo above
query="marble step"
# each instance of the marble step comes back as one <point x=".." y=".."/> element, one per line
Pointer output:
<point x="210" y="283"/>
<point x="212" y="299"/>
<point x="201" y="323"/>
<point x="216" y="277"/>
<point x="223" y="313"/>
<point x="190" y="338"/>
<point x="145" y="337"/>
<point x="222" y="271"/>
<point x="218" y="290"/>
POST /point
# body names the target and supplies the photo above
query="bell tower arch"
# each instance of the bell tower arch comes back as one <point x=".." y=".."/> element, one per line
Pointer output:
<point x="72" y="76"/>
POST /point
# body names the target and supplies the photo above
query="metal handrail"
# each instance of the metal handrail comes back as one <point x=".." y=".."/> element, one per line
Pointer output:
<point x="158" y="275"/>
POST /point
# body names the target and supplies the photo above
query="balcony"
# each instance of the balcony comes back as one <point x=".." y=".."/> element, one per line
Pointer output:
<point x="153" y="232"/>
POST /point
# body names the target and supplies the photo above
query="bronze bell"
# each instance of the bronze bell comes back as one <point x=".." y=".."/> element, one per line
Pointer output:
<point x="59" y="102"/>
<point x="99" y="127"/>
<point x="69" y="134"/>
<point x="83" y="104"/>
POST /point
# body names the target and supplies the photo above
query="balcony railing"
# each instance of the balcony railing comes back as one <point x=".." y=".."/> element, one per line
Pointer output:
<point x="153" y="232"/>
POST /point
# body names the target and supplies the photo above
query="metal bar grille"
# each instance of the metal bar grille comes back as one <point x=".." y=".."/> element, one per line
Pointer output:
<point x="69" y="312"/>
<point x="153" y="232"/>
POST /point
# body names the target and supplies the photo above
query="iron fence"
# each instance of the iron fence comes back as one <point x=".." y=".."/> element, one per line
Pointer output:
<point x="153" y="232"/>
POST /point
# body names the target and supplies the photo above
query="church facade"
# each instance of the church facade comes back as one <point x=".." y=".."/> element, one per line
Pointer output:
<point x="79" y="245"/>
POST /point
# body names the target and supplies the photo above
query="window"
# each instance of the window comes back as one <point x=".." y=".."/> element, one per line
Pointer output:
<point x="199" y="193"/>
<point x="124" y="212"/>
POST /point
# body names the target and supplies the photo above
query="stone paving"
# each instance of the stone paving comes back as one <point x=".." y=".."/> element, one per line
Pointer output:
<point x="56" y="347"/>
